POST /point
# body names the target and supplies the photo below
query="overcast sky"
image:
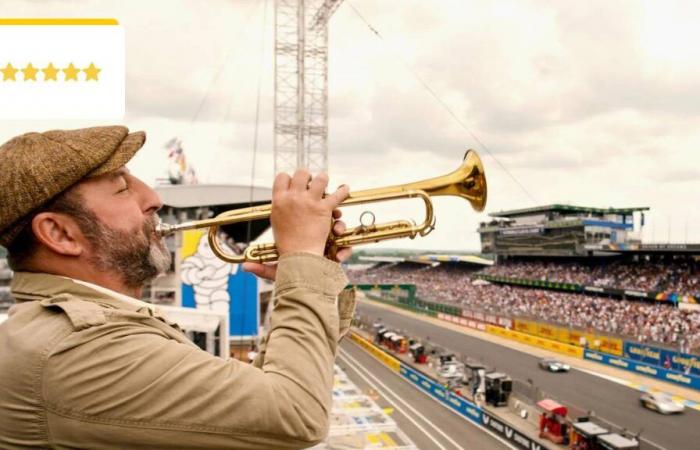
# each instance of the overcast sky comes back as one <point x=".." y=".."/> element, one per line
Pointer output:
<point x="591" y="103"/>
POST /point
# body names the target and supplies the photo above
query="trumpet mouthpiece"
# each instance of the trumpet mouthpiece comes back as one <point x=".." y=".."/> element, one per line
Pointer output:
<point x="164" y="229"/>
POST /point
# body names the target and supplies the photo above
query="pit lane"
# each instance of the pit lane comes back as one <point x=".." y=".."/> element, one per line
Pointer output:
<point x="427" y="423"/>
<point x="614" y="402"/>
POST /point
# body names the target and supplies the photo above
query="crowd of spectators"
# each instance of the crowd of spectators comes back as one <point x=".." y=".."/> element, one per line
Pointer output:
<point x="642" y="321"/>
<point x="680" y="276"/>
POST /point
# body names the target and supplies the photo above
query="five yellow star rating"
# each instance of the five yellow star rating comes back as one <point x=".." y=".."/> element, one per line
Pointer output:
<point x="50" y="73"/>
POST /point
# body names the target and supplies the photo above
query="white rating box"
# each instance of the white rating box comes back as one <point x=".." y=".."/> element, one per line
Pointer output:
<point x="61" y="69"/>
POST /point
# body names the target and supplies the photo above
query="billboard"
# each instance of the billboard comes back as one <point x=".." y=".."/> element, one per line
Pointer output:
<point x="505" y="431"/>
<point x="687" y="380"/>
<point x="572" y="336"/>
<point x="661" y="357"/>
<point x="209" y="283"/>
<point x="458" y="403"/>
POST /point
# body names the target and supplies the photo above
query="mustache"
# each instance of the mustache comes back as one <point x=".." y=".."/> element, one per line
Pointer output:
<point x="149" y="227"/>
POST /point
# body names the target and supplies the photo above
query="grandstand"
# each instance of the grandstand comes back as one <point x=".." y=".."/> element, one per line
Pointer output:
<point x="561" y="230"/>
<point x="581" y="268"/>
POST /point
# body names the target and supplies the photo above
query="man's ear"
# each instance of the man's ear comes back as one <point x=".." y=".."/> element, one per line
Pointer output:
<point x="59" y="232"/>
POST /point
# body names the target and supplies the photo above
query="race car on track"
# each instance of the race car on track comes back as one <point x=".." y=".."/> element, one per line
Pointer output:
<point x="552" y="365"/>
<point x="661" y="403"/>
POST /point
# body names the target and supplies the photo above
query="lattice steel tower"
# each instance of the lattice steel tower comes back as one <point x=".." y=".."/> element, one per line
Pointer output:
<point x="301" y="84"/>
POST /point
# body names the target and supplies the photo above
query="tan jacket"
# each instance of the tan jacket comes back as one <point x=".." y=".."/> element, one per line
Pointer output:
<point x="80" y="369"/>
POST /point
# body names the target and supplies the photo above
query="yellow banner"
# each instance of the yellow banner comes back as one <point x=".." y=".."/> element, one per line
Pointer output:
<point x="574" y="337"/>
<point x="611" y="345"/>
<point x="388" y="360"/>
<point x="547" y="344"/>
<point x="525" y="326"/>
<point x="548" y="331"/>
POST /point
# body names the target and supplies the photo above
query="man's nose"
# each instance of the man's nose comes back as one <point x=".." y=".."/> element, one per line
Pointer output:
<point x="150" y="201"/>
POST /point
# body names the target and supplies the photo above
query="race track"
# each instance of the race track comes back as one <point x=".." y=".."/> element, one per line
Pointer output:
<point x="429" y="424"/>
<point x="616" y="403"/>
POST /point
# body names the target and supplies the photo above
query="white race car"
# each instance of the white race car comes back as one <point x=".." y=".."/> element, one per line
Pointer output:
<point x="661" y="403"/>
<point x="552" y="365"/>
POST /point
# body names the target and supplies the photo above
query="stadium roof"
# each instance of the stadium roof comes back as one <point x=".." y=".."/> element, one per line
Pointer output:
<point x="471" y="259"/>
<point x="197" y="195"/>
<point x="386" y="259"/>
<point x="566" y="209"/>
<point x="428" y="259"/>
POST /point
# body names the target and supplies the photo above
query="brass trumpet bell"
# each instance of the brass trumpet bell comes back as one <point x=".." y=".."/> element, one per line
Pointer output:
<point x="468" y="182"/>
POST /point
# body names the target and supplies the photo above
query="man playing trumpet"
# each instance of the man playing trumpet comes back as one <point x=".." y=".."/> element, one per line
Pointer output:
<point x="85" y="364"/>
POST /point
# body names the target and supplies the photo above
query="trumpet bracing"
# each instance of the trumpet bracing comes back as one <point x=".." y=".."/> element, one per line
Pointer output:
<point x="468" y="182"/>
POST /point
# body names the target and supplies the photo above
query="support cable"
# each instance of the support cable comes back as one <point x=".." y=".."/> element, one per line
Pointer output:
<point x="449" y="110"/>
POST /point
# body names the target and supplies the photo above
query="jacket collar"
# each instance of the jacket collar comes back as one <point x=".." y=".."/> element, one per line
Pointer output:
<point x="30" y="286"/>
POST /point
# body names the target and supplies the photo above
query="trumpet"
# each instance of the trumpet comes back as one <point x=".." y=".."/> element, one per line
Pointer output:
<point x="467" y="182"/>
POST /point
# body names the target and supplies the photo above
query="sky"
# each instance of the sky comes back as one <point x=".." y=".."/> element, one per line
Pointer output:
<point x="587" y="103"/>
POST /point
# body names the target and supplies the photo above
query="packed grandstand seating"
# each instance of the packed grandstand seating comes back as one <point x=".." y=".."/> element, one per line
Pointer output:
<point x="642" y="321"/>
<point x="680" y="277"/>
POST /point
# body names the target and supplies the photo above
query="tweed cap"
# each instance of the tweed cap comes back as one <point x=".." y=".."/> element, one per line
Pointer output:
<point x="36" y="167"/>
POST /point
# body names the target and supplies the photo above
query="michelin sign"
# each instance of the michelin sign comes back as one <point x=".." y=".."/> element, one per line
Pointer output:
<point x="208" y="283"/>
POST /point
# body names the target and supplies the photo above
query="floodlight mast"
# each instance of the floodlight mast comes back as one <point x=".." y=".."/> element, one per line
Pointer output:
<point x="301" y="84"/>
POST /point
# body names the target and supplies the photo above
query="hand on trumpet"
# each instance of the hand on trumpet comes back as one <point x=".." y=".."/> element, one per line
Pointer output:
<point x="301" y="217"/>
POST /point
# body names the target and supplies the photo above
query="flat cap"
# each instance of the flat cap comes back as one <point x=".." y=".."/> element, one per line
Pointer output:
<point x="36" y="167"/>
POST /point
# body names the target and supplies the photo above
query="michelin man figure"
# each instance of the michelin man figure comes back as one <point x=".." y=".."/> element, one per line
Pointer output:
<point x="209" y="277"/>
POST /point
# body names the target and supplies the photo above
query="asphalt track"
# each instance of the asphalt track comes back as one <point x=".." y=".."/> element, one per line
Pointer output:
<point x="427" y="423"/>
<point x="614" y="402"/>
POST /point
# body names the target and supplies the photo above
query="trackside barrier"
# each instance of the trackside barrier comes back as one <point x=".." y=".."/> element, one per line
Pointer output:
<point x="436" y="390"/>
<point x="406" y="292"/>
<point x="597" y="341"/>
<point x="461" y="405"/>
<point x="547" y="344"/>
<point x="663" y="358"/>
<point x="388" y="360"/>
<point x="405" y="306"/>
<point x="509" y="433"/>
<point x="463" y="321"/>
<point x="691" y="381"/>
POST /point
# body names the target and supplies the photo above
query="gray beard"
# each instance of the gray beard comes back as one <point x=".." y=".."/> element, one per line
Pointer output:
<point x="136" y="257"/>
